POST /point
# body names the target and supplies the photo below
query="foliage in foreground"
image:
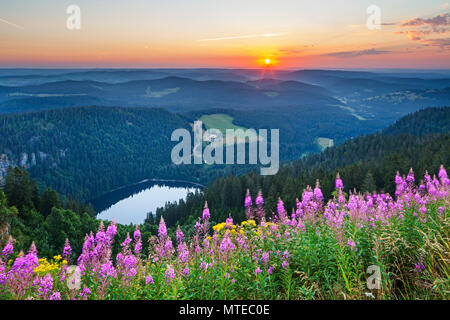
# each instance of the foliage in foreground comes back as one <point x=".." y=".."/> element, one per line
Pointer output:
<point x="320" y="251"/>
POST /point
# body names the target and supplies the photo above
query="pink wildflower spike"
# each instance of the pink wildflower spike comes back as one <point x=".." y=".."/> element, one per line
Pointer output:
<point x="259" y="199"/>
<point x="398" y="178"/>
<point x="137" y="241"/>
<point x="248" y="199"/>
<point x="318" y="192"/>
<point x="260" y="213"/>
<point x="338" y="183"/>
<point x="149" y="280"/>
<point x="280" y="210"/>
<point x="162" y="230"/>
<point x="67" y="251"/>
<point x="248" y="205"/>
<point x="443" y="176"/>
<point x="206" y="215"/>
<point x="410" y="178"/>
<point x="137" y="233"/>
<point x="170" y="274"/>
<point x="111" y="231"/>
<point x="8" y="249"/>
<point x="180" y="235"/>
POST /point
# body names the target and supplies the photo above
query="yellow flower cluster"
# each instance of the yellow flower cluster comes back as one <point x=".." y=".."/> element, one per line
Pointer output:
<point x="269" y="224"/>
<point x="223" y="225"/>
<point x="251" y="223"/>
<point x="45" y="267"/>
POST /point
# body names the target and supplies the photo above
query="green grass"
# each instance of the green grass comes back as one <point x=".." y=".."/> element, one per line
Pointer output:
<point x="223" y="122"/>
<point x="220" y="121"/>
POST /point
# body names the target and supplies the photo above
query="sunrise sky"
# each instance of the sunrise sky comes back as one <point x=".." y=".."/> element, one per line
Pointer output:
<point x="225" y="33"/>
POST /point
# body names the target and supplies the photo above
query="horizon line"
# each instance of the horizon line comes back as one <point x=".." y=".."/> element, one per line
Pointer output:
<point x="220" y="68"/>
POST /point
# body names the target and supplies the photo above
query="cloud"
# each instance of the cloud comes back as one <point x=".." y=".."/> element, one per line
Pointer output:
<point x="357" y="53"/>
<point x="11" y="23"/>
<point x="437" y="21"/>
<point x="415" y="34"/>
<point x="263" y="35"/>
<point x="421" y="29"/>
<point x="443" y="43"/>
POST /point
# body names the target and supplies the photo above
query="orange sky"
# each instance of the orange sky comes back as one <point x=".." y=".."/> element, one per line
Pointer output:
<point x="238" y="34"/>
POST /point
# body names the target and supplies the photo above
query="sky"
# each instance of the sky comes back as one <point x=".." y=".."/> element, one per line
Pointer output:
<point x="225" y="34"/>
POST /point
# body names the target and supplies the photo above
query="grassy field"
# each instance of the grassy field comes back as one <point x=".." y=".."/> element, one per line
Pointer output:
<point x="221" y="122"/>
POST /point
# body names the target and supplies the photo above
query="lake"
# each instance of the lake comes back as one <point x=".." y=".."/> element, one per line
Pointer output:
<point x="132" y="203"/>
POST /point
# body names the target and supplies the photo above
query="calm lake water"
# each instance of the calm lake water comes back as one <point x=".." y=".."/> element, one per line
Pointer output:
<point x="131" y="204"/>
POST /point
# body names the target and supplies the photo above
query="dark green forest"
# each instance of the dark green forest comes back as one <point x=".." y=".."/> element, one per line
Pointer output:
<point x="89" y="151"/>
<point x="367" y="163"/>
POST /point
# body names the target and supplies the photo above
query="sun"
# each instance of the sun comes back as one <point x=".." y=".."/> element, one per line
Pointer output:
<point x="267" y="62"/>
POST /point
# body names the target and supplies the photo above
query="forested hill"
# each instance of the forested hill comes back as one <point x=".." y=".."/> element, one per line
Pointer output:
<point x="89" y="150"/>
<point x="367" y="163"/>
<point x="402" y="134"/>
<point x="431" y="120"/>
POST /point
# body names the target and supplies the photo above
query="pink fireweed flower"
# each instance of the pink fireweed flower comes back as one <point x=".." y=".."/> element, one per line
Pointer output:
<point x="206" y="215"/>
<point x="55" y="296"/>
<point x="137" y="247"/>
<point x="229" y="221"/>
<point x="183" y="253"/>
<point x="149" y="280"/>
<point x="185" y="272"/>
<point x="443" y="176"/>
<point x="259" y="199"/>
<point x="179" y="235"/>
<point x="258" y="271"/>
<point x="111" y="231"/>
<point x="137" y="241"/>
<point x="67" y="251"/>
<point x="126" y="242"/>
<point x="285" y="265"/>
<point x="352" y="244"/>
<point x="427" y="177"/>
<point x="248" y="199"/>
<point x="423" y="209"/>
<point x="33" y="249"/>
<point x="226" y="245"/>
<point x="44" y="285"/>
<point x="269" y="271"/>
<point x="280" y="210"/>
<point x="338" y="183"/>
<point x="398" y="178"/>
<point x="162" y="230"/>
<point x="8" y="249"/>
<point x="170" y="274"/>
<point x="265" y="257"/>
<point x="260" y="213"/>
<point x="168" y="247"/>
<point x="410" y="178"/>
<point x="137" y="234"/>
<point x="286" y="255"/>
<point x="85" y="293"/>
<point x="107" y="270"/>
<point x="317" y="192"/>
<point x="248" y="206"/>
